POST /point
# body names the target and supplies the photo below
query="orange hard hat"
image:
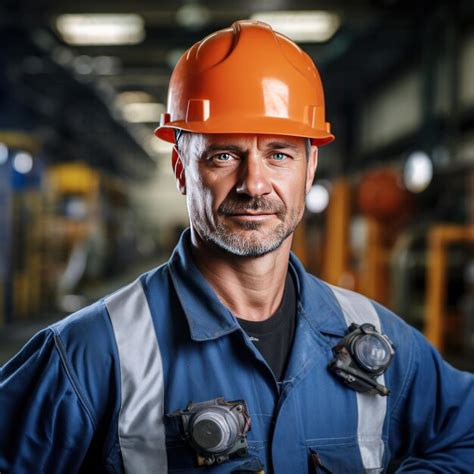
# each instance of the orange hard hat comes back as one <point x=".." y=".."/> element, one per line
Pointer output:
<point x="246" y="79"/>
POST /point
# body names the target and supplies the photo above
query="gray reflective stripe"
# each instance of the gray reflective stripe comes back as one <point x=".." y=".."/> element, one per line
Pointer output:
<point x="371" y="408"/>
<point x="140" y="426"/>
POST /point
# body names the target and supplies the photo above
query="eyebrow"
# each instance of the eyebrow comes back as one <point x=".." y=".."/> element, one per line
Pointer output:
<point x="223" y="146"/>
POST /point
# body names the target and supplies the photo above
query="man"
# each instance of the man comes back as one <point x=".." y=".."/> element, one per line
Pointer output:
<point x="230" y="357"/>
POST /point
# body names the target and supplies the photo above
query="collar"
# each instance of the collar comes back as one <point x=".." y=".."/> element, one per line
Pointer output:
<point x="317" y="302"/>
<point x="209" y="319"/>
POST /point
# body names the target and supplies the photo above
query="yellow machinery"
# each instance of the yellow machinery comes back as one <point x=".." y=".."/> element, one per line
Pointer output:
<point x="440" y="237"/>
<point x="72" y="197"/>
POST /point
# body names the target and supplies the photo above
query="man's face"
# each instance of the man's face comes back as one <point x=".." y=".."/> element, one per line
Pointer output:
<point x="245" y="193"/>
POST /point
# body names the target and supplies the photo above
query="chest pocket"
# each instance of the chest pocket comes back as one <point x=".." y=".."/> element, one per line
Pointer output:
<point x="182" y="457"/>
<point x="344" y="456"/>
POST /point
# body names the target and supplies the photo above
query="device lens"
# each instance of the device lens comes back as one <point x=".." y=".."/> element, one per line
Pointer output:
<point x="207" y="434"/>
<point x="372" y="352"/>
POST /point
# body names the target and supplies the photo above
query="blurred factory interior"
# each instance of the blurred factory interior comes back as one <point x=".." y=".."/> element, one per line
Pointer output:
<point x="87" y="196"/>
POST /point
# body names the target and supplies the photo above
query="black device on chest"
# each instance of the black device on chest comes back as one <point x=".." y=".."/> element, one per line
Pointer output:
<point x="361" y="357"/>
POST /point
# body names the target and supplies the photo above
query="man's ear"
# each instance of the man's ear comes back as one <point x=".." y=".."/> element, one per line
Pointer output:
<point x="178" y="170"/>
<point x="311" y="169"/>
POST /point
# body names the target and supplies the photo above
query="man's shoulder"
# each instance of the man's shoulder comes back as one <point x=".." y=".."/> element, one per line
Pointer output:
<point x="88" y="324"/>
<point x="86" y="344"/>
<point x="91" y="324"/>
<point x="318" y="284"/>
<point x="391" y="323"/>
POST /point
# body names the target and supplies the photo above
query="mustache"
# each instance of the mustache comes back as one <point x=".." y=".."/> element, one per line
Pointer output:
<point x="232" y="205"/>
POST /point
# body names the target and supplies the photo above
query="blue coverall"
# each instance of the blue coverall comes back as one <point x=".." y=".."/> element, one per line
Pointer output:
<point x="62" y="397"/>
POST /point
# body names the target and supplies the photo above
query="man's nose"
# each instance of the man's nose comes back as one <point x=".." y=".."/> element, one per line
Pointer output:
<point x="253" y="177"/>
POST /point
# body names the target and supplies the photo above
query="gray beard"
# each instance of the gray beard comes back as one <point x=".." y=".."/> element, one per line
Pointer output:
<point x="253" y="245"/>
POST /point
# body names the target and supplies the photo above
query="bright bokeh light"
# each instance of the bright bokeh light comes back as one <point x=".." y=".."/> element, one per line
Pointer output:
<point x="23" y="162"/>
<point x="133" y="97"/>
<point x="418" y="172"/>
<point x="302" y="26"/>
<point x="193" y="15"/>
<point x="3" y="153"/>
<point x="143" y="112"/>
<point x="101" y="29"/>
<point x="317" y="199"/>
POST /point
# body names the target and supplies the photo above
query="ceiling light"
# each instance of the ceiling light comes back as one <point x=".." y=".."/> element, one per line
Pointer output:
<point x="302" y="26"/>
<point x="23" y="163"/>
<point x="130" y="97"/>
<point x="317" y="199"/>
<point x="418" y="172"/>
<point x="101" y="29"/>
<point x="3" y="153"/>
<point x="142" y="112"/>
<point x="193" y="16"/>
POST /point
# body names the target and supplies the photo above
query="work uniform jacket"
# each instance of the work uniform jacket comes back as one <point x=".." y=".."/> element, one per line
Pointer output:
<point x="92" y="392"/>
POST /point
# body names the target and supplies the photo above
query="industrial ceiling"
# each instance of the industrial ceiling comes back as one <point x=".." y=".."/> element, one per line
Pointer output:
<point x="70" y="93"/>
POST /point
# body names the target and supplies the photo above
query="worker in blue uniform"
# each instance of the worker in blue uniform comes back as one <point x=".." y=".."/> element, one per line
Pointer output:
<point x="231" y="358"/>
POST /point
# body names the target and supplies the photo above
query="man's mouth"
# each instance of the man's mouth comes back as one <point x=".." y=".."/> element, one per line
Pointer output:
<point x="246" y="213"/>
<point x="251" y="216"/>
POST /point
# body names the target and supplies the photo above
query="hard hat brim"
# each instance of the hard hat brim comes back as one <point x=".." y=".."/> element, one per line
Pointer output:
<point x="265" y="126"/>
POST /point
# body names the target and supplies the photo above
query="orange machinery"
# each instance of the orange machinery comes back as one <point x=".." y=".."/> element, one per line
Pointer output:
<point x="437" y="318"/>
<point x="383" y="207"/>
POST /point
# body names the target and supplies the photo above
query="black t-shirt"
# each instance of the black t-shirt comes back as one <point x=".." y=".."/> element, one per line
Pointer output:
<point x="274" y="336"/>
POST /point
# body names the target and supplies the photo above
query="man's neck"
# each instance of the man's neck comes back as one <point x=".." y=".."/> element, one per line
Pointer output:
<point x="251" y="287"/>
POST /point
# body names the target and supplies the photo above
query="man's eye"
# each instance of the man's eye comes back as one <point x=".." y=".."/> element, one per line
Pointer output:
<point x="279" y="156"/>
<point x="223" y="157"/>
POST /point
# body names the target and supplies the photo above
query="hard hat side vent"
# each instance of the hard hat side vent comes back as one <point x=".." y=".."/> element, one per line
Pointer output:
<point x="199" y="110"/>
